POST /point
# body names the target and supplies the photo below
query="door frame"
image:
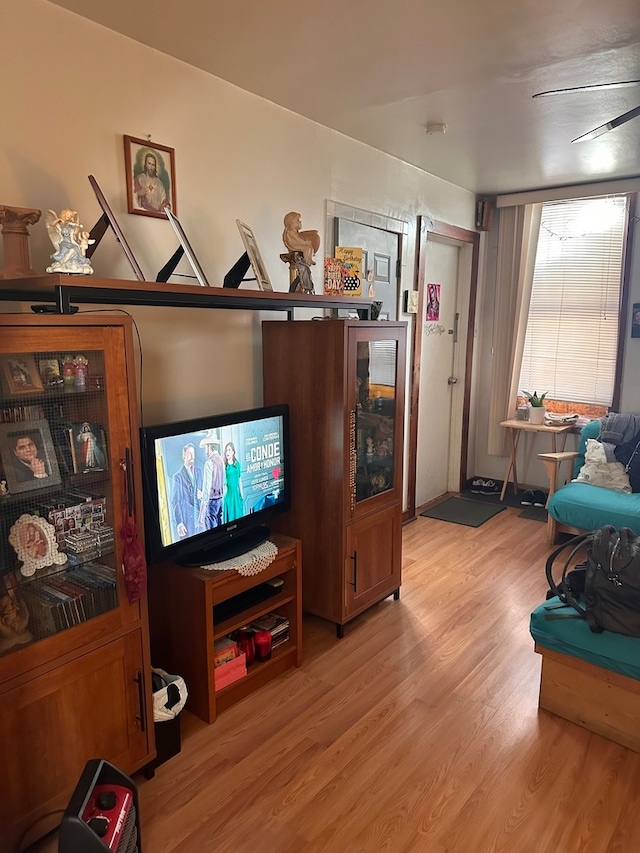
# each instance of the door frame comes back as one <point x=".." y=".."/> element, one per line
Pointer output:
<point x="462" y="238"/>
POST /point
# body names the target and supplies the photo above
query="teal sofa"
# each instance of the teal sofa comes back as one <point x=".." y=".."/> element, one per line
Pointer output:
<point x="576" y="507"/>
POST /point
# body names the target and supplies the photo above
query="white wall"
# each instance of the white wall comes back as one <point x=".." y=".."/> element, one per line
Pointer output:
<point x="72" y="89"/>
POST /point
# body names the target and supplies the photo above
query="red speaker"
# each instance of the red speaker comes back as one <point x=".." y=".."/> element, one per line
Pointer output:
<point x="102" y="814"/>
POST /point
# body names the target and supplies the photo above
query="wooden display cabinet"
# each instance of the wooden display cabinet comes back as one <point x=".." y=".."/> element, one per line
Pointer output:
<point x="344" y="383"/>
<point x="184" y="626"/>
<point x="74" y="652"/>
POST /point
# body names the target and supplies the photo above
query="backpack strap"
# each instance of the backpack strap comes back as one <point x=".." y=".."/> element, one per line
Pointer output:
<point x="574" y="544"/>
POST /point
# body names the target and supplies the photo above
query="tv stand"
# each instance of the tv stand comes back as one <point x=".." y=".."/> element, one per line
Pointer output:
<point x="235" y="546"/>
<point x="185" y="623"/>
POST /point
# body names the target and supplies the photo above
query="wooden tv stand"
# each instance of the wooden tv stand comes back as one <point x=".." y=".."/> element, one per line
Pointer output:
<point x="183" y="628"/>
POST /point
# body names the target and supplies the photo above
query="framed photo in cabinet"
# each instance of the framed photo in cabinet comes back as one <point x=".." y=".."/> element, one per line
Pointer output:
<point x="33" y="540"/>
<point x="21" y="374"/>
<point x="151" y="177"/>
<point x="28" y="457"/>
<point x="88" y="447"/>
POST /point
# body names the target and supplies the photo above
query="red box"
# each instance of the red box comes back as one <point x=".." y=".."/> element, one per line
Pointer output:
<point x="229" y="672"/>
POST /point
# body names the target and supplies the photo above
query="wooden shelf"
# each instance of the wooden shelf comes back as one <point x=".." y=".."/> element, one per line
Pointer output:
<point x="64" y="291"/>
<point x="184" y="627"/>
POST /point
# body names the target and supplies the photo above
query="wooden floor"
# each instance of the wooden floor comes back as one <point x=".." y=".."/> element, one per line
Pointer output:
<point x="419" y="731"/>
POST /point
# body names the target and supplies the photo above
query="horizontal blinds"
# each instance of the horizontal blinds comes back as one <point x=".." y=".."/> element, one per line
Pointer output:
<point x="572" y="331"/>
<point x="382" y="366"/>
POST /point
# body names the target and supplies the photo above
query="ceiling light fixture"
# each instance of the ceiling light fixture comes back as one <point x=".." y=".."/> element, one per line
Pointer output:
<point x="435" y="127"/>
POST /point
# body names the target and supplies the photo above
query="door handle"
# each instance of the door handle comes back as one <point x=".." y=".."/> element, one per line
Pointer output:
<point x="452" y="380"/>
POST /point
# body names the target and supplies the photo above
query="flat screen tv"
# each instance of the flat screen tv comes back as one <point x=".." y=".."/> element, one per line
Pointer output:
<point x="212" y="483"/>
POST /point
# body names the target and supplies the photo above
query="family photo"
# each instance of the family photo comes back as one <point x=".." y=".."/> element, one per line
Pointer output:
<point x="28" y="456"/>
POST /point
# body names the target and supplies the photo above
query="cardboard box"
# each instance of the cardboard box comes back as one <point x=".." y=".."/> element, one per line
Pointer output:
<point x="231" y="671"/>
<point x="224" y="650"/>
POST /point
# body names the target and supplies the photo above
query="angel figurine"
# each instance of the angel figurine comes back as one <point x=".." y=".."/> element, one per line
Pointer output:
<point x="70" y="242"/>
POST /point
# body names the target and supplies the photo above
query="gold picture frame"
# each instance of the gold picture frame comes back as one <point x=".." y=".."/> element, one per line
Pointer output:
<point x="21" y="374"/>
<point x="151" y="177"/>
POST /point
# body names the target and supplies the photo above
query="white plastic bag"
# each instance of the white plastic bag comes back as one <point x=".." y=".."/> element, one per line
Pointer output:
<point x="170" y="699"/>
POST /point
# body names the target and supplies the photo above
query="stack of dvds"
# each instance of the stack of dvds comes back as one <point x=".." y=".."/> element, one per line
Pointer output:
<point x="68" y="598"/>
<point x="276" y="624"/>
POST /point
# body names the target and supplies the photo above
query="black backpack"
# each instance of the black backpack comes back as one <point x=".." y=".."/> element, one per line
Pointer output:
<point x="606" y="589"/>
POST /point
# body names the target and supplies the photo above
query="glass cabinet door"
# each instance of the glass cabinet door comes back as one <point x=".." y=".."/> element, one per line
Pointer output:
<point x="374" y="415"/>
<point x="57" y="548"/>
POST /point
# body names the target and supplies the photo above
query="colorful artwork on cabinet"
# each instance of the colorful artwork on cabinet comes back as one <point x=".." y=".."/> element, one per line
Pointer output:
<point x="351" y="258"/>
<point x="433" y="302"/>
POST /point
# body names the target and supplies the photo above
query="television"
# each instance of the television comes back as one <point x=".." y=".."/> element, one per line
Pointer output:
<point x="211" y="484"/>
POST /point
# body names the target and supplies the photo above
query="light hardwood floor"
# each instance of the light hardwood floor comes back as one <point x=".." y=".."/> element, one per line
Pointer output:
<point x="419" y="731"/>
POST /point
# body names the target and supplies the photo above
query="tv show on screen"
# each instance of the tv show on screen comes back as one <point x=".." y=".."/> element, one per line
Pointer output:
<point x="211" y="483"/>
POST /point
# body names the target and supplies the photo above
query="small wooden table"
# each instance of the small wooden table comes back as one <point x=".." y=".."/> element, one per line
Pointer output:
<point x="516" y="428"/>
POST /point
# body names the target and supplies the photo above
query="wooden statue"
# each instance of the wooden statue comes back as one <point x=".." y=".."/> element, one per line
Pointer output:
<point x="296" y="240"/>
<point x="302" y="247"/>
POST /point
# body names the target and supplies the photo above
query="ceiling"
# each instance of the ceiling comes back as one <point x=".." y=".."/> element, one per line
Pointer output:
<point x="379" y="72"/>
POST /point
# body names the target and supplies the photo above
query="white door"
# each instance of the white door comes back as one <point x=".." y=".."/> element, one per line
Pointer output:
<point x="438" y="445"/>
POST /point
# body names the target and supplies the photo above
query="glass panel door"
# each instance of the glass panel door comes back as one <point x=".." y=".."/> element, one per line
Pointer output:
<point x="375" y="415"/>
<point x="57" y="560"/>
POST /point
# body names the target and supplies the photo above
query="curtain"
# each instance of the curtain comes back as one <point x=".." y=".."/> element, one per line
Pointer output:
<point x="517" y="241"/>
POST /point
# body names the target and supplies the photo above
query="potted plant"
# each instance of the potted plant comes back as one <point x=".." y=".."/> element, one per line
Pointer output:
<point x="538" y="409"/>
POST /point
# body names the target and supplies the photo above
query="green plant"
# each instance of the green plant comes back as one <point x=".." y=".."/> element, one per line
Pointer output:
<point x="535" y="400"/>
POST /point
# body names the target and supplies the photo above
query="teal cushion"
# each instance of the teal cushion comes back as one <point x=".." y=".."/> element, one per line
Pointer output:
<point x="572" y="636"/>
<point x="590" y="507"/>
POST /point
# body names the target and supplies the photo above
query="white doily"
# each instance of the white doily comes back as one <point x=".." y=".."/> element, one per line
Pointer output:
<point x="254" y="561"/>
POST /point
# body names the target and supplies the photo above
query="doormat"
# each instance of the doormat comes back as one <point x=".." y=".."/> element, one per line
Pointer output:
<point x="535" y="513"/>
<point x="463" y="511"/>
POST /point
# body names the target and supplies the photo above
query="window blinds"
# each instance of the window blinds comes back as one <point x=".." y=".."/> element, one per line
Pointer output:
<point x="572" y="330"/>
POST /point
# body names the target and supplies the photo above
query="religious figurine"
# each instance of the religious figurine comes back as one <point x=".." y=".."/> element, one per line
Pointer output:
<point x="302" y="247"/>
<point x="14" y="619"/>
<point x="68" y="371"/>
<point x="81" y="368"/>
<point x="70" y="242"/>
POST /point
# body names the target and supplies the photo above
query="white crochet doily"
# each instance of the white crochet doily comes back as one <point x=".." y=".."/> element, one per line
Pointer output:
<point x="254" y="561"/>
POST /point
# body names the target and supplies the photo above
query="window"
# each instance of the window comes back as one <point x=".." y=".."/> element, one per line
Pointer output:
<point x="571" y="342"/>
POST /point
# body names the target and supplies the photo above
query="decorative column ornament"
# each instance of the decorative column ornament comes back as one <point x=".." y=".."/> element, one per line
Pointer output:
<point x="14" y="222"/>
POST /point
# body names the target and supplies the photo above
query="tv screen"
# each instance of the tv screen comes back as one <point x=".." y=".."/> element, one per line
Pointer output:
<point x="211" y="483"/>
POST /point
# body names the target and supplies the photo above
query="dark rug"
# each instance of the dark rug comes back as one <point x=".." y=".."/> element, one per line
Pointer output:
<point x="535" y="513"/>
<point x="471" y="513"/>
